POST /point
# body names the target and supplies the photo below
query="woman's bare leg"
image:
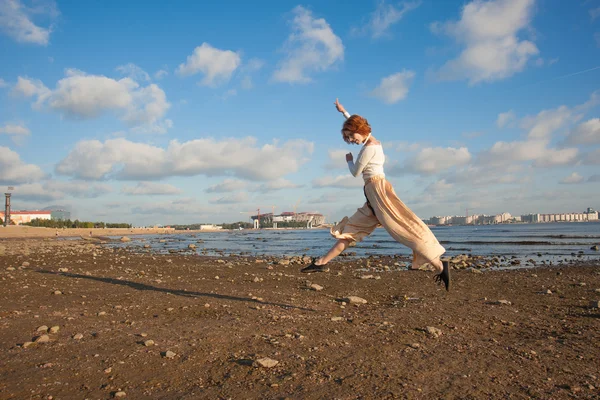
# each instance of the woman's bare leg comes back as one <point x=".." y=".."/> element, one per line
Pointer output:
<point x="335" y="251"/>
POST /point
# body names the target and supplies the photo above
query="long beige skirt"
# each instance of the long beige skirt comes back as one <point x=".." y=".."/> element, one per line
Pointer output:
<point x="397" y="219"/>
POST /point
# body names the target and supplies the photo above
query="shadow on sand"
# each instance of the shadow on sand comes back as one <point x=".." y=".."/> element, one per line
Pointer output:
<point x="177" y="292"/>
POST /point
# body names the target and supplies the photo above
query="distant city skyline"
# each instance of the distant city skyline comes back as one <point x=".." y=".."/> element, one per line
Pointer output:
<point x="200" y="111"/>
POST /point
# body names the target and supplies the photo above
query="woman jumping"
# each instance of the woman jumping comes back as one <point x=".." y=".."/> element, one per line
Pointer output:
<point x="382" y="208"/>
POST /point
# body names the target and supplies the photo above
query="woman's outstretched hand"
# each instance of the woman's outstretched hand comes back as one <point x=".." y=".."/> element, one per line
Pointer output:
<point x="339" y="107"/>
<point x="349" y="157"/>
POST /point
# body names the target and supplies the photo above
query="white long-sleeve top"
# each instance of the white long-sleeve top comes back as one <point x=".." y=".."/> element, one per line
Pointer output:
<point x="369" y="161"/>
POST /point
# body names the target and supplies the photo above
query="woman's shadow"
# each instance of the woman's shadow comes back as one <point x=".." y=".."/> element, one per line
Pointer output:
<point x="177" y="292"/>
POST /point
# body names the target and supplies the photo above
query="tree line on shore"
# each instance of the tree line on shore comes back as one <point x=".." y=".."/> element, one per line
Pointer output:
<point x="67" y="223"/>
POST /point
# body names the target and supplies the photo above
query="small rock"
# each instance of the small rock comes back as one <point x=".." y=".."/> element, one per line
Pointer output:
<point x="10" y="268"/>
<point x="315" y="287"/>
<point x="108" y="370"/>
<point x="435" y="332"/>
<point x="125" y="239"/>
<point x="63" y="270"/>
<point x="169" y="354"/>
<point x="42" y="339"/>
<point x="120" y="394"/>
<point x="27" y="344"/>
<point x="54" y="329"/>
<point x="191" y="246"/>
<point x="415" y="345"/>
<point x="596" y="247"/>
<point x="101" y="313"/>
<point x="42" y="328"/>
<point x="149" y="343"/>
<point x="354" y="300"/>
<point x="548" y="291"/>
<point x="57" y="292"/>
<point x="78" y="336"/>
<point x="503" y="303"/>
<point x="266" y="362"/>
<point x="336" y="319"/>
<point x="283" y="262"/>
<point x="594" y="304"/>
<point x="25" y="264"/>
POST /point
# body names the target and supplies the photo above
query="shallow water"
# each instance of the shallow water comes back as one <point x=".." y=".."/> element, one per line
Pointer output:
<point x="550" y="242"/>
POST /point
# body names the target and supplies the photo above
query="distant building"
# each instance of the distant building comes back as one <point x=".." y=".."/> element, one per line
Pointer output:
<point x="60" y="215"/>
<point x="589" y="215"/>
<point x="21" y="217"/>
<point x="210" y="227"/>
<point x="314" y="219"/>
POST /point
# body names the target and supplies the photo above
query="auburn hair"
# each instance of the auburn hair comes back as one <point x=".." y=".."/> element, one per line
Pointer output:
<point x="355" y="124"/>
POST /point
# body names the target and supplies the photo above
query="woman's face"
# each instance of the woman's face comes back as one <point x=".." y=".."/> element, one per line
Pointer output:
<point x="353" y="137"/>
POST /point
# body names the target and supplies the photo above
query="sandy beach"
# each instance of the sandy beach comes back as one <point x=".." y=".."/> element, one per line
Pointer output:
<point x="22" y="231"/>
<point x="82" y="321"/>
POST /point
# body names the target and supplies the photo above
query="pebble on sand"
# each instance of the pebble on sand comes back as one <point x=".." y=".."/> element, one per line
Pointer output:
<point x="120" y="394"/>
<point x="315" y="287"/>
<point x="434" y="332"/>
<point x="353" y="300"/>
<point x="265" y="362"/>
<point x="42" y="339"/>
<point x="169" y="354"/>
<point x="78" y="336"/>
<point x="42" y="328"/>
<point x="149" y="343"/>
<point x="54" y="329"/>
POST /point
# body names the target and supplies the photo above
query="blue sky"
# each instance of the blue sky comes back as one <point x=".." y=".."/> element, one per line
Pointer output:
<point x="158" y="113"/>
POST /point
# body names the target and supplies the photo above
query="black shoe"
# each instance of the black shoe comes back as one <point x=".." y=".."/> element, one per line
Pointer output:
<point x="444" y="276"/>
<point x="314" y="268"/>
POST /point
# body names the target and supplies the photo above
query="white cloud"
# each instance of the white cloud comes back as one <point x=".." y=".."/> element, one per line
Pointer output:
<point x="393" y="88"/>
<point x="406" y="147"/>
<point x="150" y="188"/>
<point x="503" y="153"/>
<point x="186" y="206"/>
<point x="16" y="21"/>
<point x="14" y="171"/>
<point x="592" y="158"/>
<point x="161" y="73"/>
<point x="276" y="184"/>
<point x="37" y="192"/>
<point x="216" y="65"/>
<point x="12" y="129"/>
<point x="431" y="160"/>
<point x="573" y="178"/>
<point x="587" y="132"/>
<point x="439" y="187"/>
<point x="123" y="159"/>
<point x="234" y="198"/>
<point x="386" y="15"/>
<point x="595" y="13"/>
<point x="78" y="188"/>
<point x="3" y="83"/>
<point x="134" y="72"/>
<point x="311" y="47"/>
<point x="505" y="118"/>
<point x="84" y="96"/>
<point x="228" y="185"/>
<point x="340" y="181"/>
<point x="337" y="159"/>
<point x="489" y="30"/>
<point x="31" y="87"/>
<point x="546" y="122"/>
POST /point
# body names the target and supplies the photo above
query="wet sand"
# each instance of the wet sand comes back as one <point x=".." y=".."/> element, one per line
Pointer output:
<point x="527" y="333"/>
